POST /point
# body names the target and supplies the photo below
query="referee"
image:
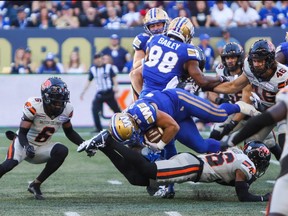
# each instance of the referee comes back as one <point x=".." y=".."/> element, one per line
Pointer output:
<point x="104" y="76"/>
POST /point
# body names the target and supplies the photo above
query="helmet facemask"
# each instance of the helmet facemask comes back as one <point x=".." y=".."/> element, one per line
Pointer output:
<point x="259" y="154"/>
<point x="55" y="97"/>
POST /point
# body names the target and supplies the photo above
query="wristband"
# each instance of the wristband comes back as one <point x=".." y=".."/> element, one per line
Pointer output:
<point x="160" y="145"/>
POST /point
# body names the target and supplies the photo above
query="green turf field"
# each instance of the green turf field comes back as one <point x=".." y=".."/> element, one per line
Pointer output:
<point x="92" y="186"/>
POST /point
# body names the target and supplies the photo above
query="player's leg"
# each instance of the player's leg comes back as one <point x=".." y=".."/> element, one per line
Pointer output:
<point x="14" y="156"/>
<point x="279" y="202"/>
<point x="54" y="156"/>
<point x="203" y="109"/>
<point x="190" y="137"/>
<point x="112" y="103"/>
<point x="97" y="105"/>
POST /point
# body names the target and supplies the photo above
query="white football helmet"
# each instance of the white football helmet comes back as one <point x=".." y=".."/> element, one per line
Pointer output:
<point x="153" y="16"/>
<point x="182" y="28"/>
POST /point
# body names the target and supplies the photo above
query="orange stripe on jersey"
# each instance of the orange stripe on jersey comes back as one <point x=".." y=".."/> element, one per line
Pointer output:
<point x="281" y="85"/>
<point x="10" y="151"/>
<point x="177" y="172"/>
<point x="29" y="106"/>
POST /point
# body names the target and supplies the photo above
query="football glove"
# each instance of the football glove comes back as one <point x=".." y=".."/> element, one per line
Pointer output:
<point x="30" y="151"/>
<point x="257" y="102"/>
<point x="227" y="128"/>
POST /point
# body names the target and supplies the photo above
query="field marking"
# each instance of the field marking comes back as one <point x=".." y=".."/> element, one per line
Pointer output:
<point x="271" y="181"/>
<point x="194" y="183"/>
<point x="115" y="182"/>
<point x="71" y="214"/>
<point x="275" y="162"/>
<point x="264" y="212"/>
<point x="173" y="213"/>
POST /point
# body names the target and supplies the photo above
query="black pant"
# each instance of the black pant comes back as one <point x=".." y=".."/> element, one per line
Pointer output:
<point x="97" y="106"/>
<point x="136" y="169"/>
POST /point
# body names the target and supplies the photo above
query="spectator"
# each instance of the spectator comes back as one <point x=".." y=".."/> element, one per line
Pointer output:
<point x="90" y="18"/>
<point x="75" y="65"/>
<point x="67" y="19"/>
<point x="49" y="65"/>
<point x="4" y="20"/>
<point x="105" y="78"/>
<point x="222" y="15"/>
<point x="226" y="38"/>
<point x="119" y="54"/>
<point x="21" y="21"/>
<point x="132" y="17"/>
<point x="19" y="66"/>
<point x="246" y="15"/>
<point x="27" y="59"/>
<point x="44" y="19"/>
<point x="173" y="12"/>
<point x="113" y="21"/>
<point x="200" y="14"/>
<point x="269" y="15"/>
<point x="208" y="50"/>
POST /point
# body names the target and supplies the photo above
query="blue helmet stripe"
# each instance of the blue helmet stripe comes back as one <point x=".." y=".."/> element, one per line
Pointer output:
<point x="180" y="22"/>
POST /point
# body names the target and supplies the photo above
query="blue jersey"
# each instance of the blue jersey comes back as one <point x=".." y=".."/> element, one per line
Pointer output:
<point x="178" y="103"/>
<point x="140" y="42"/>
<point x="166" y="60"/>
<point x="283" y="47"/>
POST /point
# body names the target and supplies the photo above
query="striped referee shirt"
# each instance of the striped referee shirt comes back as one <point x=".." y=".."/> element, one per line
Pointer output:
<point x="103" y="76"/>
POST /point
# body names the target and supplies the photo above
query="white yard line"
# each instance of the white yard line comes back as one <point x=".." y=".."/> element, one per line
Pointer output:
<point x="271" y="181"/>
<point x="114" y="182"/>
<point x="71" y="214"/>
<point x="264" y="212"/>
<point x="173" y="213"/>
<point x="275" y="162"/>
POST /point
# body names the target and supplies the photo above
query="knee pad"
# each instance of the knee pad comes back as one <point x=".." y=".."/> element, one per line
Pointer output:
<point x="59" y="151"/>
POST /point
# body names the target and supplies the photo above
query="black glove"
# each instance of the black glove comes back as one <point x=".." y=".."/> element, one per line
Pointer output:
<point x="224" y="79"/>
<point x="30" y="151"/>
<point x="220" y="100"/>
<point x="266" y="197"/>
<point x="227" y="128"/>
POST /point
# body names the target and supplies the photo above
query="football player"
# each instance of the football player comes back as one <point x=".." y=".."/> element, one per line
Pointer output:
<point x="156" y="21"/>
<point x="42" y="117"/>
<point x="169" y="55"/>
<point x="171" y="110"/>
<point x="265" y="76"/>
<point x="233" y="167"/>
<point x="232" y="58"/>
<point x="276" y="113"/>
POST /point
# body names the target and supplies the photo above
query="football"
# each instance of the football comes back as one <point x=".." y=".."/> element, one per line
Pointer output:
<point x="154" y="134"/>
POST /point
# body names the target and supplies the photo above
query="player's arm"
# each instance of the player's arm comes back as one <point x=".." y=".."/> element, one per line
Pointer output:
<point x="25" y="126"/>
<point x="233" y="86"/>
<point x="136" y="80"/>
<point x="71" y="134"/>
<point x="242" y="189"/>
<point x="139" y="55"/>
<point x="279" y="56"/>
<point x="205" y="82"/>
<point x="168" y="124"/>
<point x="272" y="115"/>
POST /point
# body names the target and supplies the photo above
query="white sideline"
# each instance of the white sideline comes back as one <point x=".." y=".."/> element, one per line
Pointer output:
<point x="71" y="214"/>
<point x="173" y="213"/>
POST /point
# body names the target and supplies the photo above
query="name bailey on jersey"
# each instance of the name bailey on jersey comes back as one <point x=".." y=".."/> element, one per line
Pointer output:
<point x="168" y="43"/>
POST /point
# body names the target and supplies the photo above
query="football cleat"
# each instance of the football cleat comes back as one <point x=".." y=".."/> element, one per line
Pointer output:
<point x="247" y="109"/>
<point x="94" y="143"/>
<point x="34" y="188"/>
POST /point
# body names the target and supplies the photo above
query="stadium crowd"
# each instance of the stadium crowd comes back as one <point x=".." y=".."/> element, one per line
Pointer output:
<point x="128" y="14"/>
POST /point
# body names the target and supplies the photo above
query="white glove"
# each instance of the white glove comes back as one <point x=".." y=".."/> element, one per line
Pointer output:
<point x="172" y="83"/>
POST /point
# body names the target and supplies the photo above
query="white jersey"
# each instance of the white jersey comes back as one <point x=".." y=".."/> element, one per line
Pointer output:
<point x="43" y="126"/>
<point x="221" y="167"/>
<point x="267" y="90"/>
<point x="217" y="167"/>
<point x="221" y="70"/>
